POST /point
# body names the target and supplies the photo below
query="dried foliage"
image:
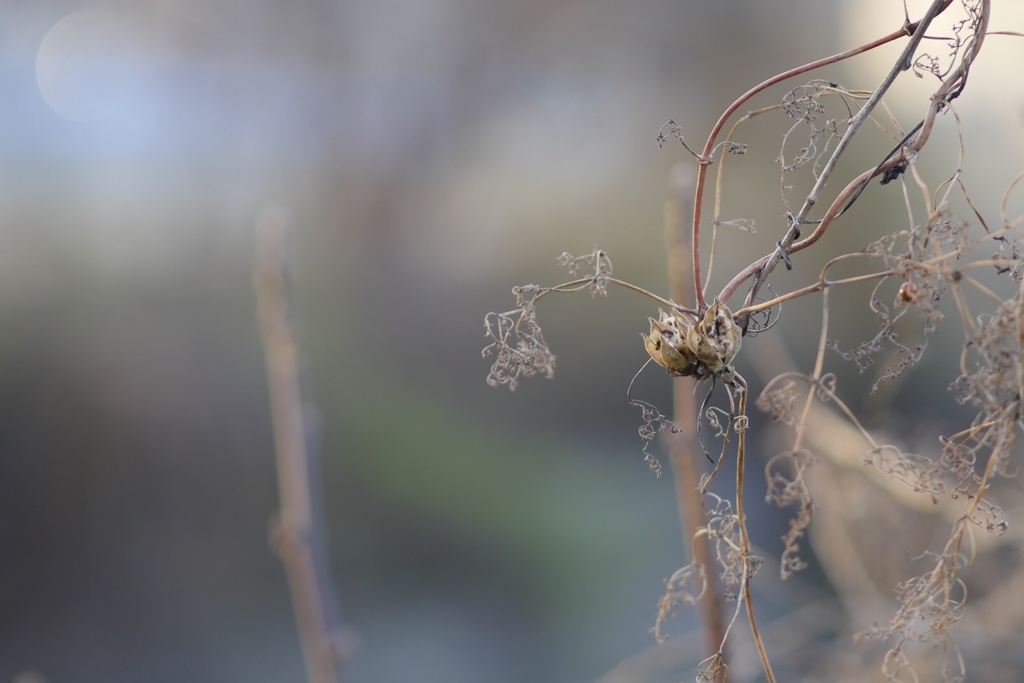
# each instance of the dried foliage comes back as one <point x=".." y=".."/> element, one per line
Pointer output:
<point x="932" y="273"/>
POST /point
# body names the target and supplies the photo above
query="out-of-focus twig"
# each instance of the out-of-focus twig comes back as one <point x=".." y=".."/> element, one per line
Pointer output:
<point x="684" y="453"/>
<point x="298" y="532"/>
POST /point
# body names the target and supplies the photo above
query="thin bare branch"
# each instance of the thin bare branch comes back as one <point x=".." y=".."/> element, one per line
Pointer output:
<point x="904" y="61"/>
<point x="298" y="531"/>
<point x="706" y="158"/>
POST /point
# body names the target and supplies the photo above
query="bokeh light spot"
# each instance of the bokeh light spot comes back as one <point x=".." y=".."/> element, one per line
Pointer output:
<point x="81" y="62"/>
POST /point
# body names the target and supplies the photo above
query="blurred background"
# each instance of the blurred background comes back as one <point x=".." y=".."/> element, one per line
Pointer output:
<point x="430" y="154"/>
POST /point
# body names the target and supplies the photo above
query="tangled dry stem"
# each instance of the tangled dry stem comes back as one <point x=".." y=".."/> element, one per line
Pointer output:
<point x="920" y="274"/>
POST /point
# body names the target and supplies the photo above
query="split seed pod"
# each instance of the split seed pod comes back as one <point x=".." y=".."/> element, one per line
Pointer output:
<point x="667" y="344"/>
<point x="716" y="339"/>
<point x="686" y="346"/>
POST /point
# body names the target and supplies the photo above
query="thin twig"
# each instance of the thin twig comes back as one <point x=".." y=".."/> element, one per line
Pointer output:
<point x="298" y="532"/>
<point x="902" y="63"/>
<point x="706" y="158"/>
<point x="580" y="284"/>
<point x="748" y="572"/>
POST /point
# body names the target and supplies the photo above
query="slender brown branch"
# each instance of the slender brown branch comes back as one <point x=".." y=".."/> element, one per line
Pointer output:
<point x="945" y="93"/>
<point x="826" y="220"/>
<point x="297" y="533"/>
<point x="903" y="63"/>
<point x="955" y="80"/>
<point x="585" y="282"/>
<point x="810" y="289"/>
<point x="706" y="158"/>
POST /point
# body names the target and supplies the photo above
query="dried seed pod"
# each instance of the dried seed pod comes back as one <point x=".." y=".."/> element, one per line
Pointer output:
<point x="667" y="344"/>
<point x="687" y="346"/>
<point x="716" y="338"/>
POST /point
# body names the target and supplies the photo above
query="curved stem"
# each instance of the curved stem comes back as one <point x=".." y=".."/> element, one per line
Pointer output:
<point x="903" y="63"/>
<point x="761" y="265"/>
<point x="706" y="157"/>
<point x="652" y="295"/>
<point x="584" y="282"/>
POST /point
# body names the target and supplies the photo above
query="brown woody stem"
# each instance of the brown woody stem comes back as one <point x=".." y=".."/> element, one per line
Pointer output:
<point x="298" y="532"/>
<point x="705" y="158"/>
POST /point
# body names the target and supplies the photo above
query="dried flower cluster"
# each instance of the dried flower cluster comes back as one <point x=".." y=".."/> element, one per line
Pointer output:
<point x="518" y="342"/>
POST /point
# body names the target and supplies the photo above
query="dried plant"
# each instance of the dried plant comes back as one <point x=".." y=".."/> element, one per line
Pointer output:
<point x="934" y="264"/>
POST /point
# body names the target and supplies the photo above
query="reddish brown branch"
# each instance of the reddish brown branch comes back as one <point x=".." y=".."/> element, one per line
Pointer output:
<point x="948" y="90"/>
<point x="706" y="157"/>
<point x="833" y="211"/>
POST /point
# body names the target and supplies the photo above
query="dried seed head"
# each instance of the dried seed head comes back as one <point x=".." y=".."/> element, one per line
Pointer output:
<point x="667" y="344"/>
<point x="687" y="347"/>
<point x="716" y="338"/>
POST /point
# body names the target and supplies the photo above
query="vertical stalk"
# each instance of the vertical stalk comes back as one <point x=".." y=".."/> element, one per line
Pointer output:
<point x="298" y="533"/>
<point x="748" y="597"/>
<point x="683" y="452"/>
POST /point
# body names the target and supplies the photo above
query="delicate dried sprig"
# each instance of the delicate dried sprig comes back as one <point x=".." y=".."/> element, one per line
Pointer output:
<point x="654" y="423"/>
<point x="600" y="263"/>
<point x="686" y="586"/>
<point x="516" y="339"/>
<point x="778" y="403"/>
<point x="806" y="105"/>
<point x="517" y="342"/>
<point x="787" y="487"/>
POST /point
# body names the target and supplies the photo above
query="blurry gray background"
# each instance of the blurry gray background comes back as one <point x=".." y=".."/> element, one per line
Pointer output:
<point x="431" y="154"/>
